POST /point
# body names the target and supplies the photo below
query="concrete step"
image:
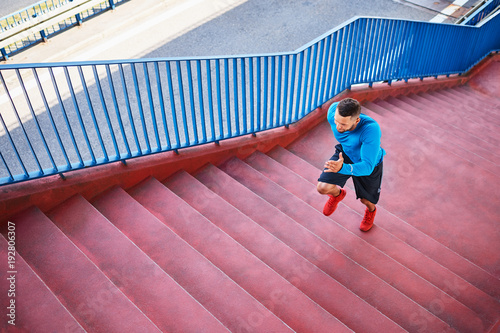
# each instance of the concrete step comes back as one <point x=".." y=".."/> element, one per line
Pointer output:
<point x="277" y="248"/>
<point x="473" y="125"/>
<point x="420" y="110"/>
<point x="412" y="168"/>
<point x="217" y="293"/>
<point x="377" y="291"/>
<point x="394" y="274"/>
<point x="93" y="300"/>
<point x="254" y="276"/>
<point x="166" y="303"/>
<point x="389" y="109"/>
<point x="435" y="275"/>
<point x="33" y="300"/>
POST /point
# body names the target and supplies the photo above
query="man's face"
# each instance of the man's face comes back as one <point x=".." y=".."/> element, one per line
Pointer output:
<point x="345" y="123"/>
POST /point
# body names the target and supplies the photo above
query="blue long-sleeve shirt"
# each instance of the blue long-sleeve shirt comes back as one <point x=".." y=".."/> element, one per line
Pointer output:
<point x="362" y="145"/>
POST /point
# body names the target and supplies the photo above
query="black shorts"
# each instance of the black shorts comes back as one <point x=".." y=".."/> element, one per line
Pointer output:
<point x="367" y="187"/>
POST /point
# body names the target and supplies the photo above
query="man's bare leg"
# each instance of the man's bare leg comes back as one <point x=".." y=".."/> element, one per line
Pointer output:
<point x="325" y="188"/>
<point x="368" y="204"/>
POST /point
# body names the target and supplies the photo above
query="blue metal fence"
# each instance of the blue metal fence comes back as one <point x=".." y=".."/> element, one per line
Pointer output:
<point x="38" y="11"/>
<point x="55" y="118"/>
<point x="482" y="12"/>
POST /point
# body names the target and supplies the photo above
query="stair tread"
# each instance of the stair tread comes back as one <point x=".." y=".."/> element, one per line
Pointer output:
<point x="484" y="306"/>
<point x="97" y="304"/>
<point x="438" y="134"/>
<point x="404" y="231"/>
<point x="394" y="274"/>
<point x="411" y="166"/>
<point x="480" y="114"/>
<point x="362" y="282"/>
<point x="316" y="284"/>
<point x="145" y="283"/>
<point x="442" y="122"/>
<point x="228" y="302"/>
<point x="460" y="147"/>
<point x="457" y="117"/>
<point x="239" y="264"/>
<point x="34" y="302"/>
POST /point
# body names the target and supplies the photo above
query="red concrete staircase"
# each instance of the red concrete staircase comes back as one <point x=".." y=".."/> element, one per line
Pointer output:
<point x="243" y="246"/>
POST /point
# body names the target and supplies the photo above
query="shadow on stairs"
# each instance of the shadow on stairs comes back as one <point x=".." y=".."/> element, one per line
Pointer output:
<point x="243" y="246"/>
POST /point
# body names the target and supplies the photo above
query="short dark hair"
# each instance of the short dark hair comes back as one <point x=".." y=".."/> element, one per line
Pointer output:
<point x="349" y="107"/>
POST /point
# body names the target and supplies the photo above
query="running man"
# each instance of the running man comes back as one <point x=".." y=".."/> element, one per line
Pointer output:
<point x="358" y="155"/>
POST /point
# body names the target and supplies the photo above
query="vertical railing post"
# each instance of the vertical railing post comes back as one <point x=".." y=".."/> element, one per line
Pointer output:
<point x="78" y="18"/>
<point x="4" y="54"/>
<point x="44" y="36"/>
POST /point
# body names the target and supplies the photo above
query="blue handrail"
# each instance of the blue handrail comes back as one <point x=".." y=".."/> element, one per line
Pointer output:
<point x="58" y="117"/>
<point x="482" y="12"/>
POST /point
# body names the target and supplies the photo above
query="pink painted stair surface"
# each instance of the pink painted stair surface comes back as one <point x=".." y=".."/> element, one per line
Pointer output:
<point x="237" y="310"/>
<point x="95" y="302"/>
<point x="413" y="166"/>
<point x="242" y="245"/>
<point x="169" y="306"/>
<point x="30" y="316"/>
<point x="375" y="261"/>
<point x="307" y="277"/>
<point x="404" y="231"/>
<point x="486" y="307"/>
<point x="333" y="262"/>
<point x="260" y="281"/>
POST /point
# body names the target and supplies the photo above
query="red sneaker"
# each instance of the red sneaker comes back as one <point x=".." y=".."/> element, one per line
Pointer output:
<point x="333" y="202"/>
<point x="368" y="219"/>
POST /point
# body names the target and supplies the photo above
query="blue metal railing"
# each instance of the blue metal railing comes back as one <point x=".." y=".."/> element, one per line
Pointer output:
<point x="55" y="118"/>
<point x="38" y="11"/>
<point x="482" y="12"/>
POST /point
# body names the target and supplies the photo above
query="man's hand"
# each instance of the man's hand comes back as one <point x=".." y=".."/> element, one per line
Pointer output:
<point x="334" y="166"/>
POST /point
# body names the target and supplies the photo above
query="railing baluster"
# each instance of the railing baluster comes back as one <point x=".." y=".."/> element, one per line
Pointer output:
<point x="200" y="98"/>
<point x="35" y="119"/>
<point x="299" y="86"/>
<point x="191" y="101"/>
<point x="11" y="177"/>
<point x="79" y="115"/>
<point x="282" y="120"/>
<point x="252" y="99"/>
<point x="272" y="92"/>
<point x="210" y="100"/>
<point x="151" y="106"/>
<point x="51" y="118"/>
<point x="141" y="110"/>
<point x="219" y="99"/>
<point x="306" y="83"/>
<point x="21" y="163"/>
<point x="327" y="70"/>
<point x="65" y="116"/>
<point x="92" y="113"/>
<point x="172" y="105"/>
<point x="266" y="92"/>
<point x="129" y="111"/>
<point x="235" y="97"/>
<point x="183" y="103"/>
<point x="259" y="93"/>
<point x="228" y="100"/>
<point x="162" y="105"/>
<point x="317" y="93"/>
<point x="292" y="89"/>
<point x="105" y="110"/>
<point x="244" y="95"/>
<point x="117" y="111"/>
